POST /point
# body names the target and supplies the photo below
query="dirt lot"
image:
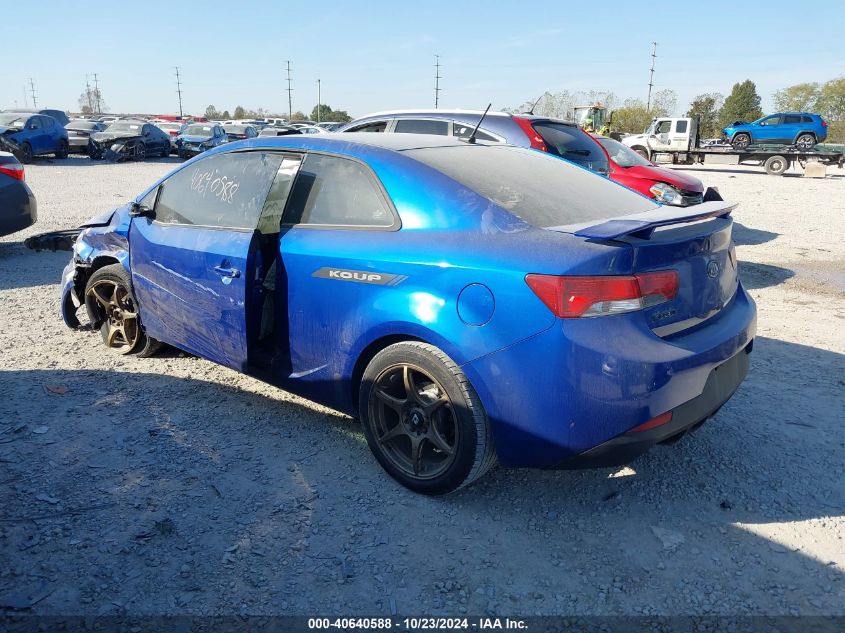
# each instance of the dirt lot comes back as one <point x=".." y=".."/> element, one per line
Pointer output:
<point x="171" y="485"/>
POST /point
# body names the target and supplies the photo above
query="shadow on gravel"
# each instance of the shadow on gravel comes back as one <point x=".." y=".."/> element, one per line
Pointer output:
<point x="228" y="493"/>
<point x="755" y="276"/>
<point x="23" y="268"/>
<point x="746" y="236"/>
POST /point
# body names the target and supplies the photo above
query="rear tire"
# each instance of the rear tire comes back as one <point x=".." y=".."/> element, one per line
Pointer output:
<point x="423" y="420"/>
<point x="776" y="165"/>
<point x="140" y="151"/>
<point x="113" y="310"/>
<point x="741" y="141"/>
<point x="63" y="149"/>
<point x="805" y="142"/>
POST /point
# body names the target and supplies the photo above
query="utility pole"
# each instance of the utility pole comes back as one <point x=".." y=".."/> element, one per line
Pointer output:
<point x="88" y="94"/>
<point x="97" y="92"/>
<point x="290" y="95"/>
<point x="651" y="76"/>
<point x="437" y="81"/>
<point x="25" y="97"/>
<point x="318" y="101"/>
<point x="32" y="89"/>
<point x="179" y="90"/>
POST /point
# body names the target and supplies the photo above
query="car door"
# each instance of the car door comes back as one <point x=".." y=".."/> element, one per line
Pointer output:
<point x="767" y="130"/>
<point x="659" y="140"/>
<point x="191" y="262"/>
<point x="35" y="135"/>
<point x="790" y="128"/>
<point x="337" y="215"/>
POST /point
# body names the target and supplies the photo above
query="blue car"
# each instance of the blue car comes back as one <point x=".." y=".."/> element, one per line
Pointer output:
<point x="36" y="134"/>
<point x="802" y="129"/>
<point x="196" y="138"/>
<point x="469" y="302"/>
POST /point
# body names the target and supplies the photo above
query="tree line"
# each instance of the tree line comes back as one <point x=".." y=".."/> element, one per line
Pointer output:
<point x="325" y="113"/>
<point x="715" y="110"/>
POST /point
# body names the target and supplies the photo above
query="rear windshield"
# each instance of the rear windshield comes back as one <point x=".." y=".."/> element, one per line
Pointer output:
<point x="573" y="144"/>
<point x="198" y="130"/>
<point x="538" y="188"/>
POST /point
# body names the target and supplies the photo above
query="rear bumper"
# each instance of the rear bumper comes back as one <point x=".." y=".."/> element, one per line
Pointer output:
<point x="584" y="383"/>
<point x="18" y="209"/>
<point x="721" y="384"/>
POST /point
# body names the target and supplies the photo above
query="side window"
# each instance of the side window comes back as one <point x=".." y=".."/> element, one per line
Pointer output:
<point x="339" y="192"/>
<point x="807" y="119"/>
<point x="226" y="190"/>
<point x="274" y="207"/>
<point x="663" y="127"/>
<point x="462" y="130"/>
<point x="46" y="121"/>
<point x="681" y="127"/>
<point x="375" y="126"/>
<point x="772" y="120"/>
<point x="422" y="126"/>
<point x="35" y="123"/>
<point x="791" y="119"/>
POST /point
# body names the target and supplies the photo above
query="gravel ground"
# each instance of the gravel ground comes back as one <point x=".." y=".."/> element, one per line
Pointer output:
<point x="173" y="486"/>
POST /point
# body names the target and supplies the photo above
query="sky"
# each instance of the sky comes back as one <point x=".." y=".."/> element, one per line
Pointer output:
<point x="376" y="55"/>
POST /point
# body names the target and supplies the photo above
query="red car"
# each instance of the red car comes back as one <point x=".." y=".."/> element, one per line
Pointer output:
<point x="665" y="185"/>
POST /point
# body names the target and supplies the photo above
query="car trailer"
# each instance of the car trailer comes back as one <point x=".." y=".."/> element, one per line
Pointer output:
<point x="775" y="160"/>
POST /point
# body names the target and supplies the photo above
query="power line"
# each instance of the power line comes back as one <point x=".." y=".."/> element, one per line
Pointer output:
<point x="179" y="90"/>
<point x="437" y="81"/>
<point x="88" y="94"/>
<point x="97" y="92"/>
<point x="32" y="89"/>
<point x="290" y="95"/>
<point x="651" y="76"/>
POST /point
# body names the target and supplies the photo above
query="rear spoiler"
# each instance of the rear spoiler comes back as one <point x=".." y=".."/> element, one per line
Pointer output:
<point x="642" y="225"/>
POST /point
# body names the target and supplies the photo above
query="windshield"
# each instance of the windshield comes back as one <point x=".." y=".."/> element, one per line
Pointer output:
<point x="13" y="120"/>
<point x="198" y="130"/>
<point x="623" y="155"/>
<point x="536" y="187"/>
<point x="125" y="126"/>
<point x="573" y="144"/>
<point x="169" y="126"/>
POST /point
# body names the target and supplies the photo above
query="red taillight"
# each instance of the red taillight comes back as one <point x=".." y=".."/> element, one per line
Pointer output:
<point x="14" y="171"/>
<point x="573" y="297"/>
<point x="535" y="139"/>
<point x="824" y="123"/>
<point x="660" y="420"/>
<point x="174" y="132"/>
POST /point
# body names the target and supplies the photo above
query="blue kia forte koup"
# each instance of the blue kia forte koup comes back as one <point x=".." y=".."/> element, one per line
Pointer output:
<point x="470" y="303"/>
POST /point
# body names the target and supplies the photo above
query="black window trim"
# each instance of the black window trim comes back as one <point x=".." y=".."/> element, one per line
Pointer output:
<point x="397" y="221"/>
<point x="221" y="228"/>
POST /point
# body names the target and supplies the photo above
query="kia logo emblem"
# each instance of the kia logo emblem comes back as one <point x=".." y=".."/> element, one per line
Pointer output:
<point x="713" y="269"/>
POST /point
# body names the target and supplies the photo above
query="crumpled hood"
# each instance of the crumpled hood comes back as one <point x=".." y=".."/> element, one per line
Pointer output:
<point x="104" y="137"/>
<point x="102" y="219"/>
<point x="674" y="177"/>
<point x="193" y="138"/>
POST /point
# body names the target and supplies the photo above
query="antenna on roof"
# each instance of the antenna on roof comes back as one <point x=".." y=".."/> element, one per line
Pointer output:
<point x="471" y="139"/>
<point x="531" y="111"/>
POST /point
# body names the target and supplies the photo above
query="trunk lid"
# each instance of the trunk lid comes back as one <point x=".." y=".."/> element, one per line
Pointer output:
<point x="694" y="241"/>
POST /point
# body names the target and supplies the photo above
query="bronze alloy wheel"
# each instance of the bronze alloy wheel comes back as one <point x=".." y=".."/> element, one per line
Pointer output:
<point x="414" y="421"/>
<point x="120" y="328"/>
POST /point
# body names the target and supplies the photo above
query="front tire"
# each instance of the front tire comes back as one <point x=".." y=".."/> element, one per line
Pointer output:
<point x="26" y="153"/>
<point x="423" y="420"/>
<point x="113" y="310"/>
<point x="805" y="142"/>
<point x="741" y="141"/>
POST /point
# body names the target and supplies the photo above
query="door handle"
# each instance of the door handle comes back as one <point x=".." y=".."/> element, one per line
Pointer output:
<point x="233" y="273"/>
